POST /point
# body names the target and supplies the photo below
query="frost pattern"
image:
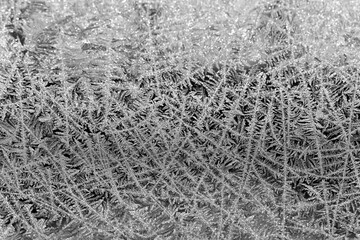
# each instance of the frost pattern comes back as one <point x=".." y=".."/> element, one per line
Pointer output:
<point x="119" y="128"/>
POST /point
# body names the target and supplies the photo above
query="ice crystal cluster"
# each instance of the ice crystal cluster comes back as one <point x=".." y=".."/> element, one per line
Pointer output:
<point x="179" y="120"/>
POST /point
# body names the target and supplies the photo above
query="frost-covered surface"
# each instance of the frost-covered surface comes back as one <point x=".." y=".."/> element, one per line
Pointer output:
<point x="134" y="120"/>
